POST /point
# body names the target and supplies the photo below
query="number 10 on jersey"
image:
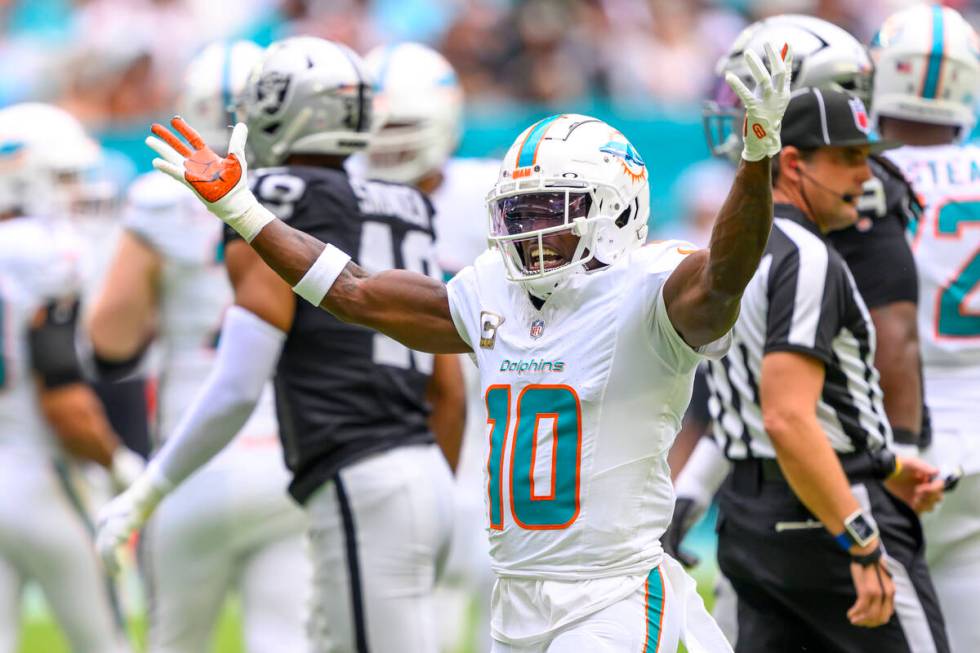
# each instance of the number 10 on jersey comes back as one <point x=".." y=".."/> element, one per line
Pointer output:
<point x="544" y="423"/>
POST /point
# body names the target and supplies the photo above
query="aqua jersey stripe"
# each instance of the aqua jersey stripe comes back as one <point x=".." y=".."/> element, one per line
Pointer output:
<point x="526" y="156"/>
<point x="654" y="590"/>
<point x="931" y="85"/>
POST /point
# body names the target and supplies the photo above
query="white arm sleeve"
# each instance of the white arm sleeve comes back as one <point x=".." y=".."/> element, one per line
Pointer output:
<point x="248" y="351"/>
<point x="703" y="473"/>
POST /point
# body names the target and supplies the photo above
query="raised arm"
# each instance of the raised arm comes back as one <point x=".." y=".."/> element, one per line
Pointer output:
<point x="702" y="295"/>
<point x="409" y="307"/>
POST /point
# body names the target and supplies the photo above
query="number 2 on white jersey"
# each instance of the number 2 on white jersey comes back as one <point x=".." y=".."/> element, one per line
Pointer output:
<point x="953" y="319"/>
<point x="555" y="409"/>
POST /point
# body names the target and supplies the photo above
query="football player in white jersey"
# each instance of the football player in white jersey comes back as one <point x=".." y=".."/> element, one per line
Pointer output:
<point x="232" y="525"/>
<point x="586" y="343"/>
<point x="48" y="416"/>
<point x="421" y="103"/>
<point x="925" y="88"/>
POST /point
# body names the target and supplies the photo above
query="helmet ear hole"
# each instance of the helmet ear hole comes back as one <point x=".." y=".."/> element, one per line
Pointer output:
<point x="624" y="217"/>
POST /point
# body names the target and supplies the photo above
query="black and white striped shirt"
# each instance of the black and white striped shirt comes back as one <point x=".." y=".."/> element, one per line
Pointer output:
<point x="803" y="299"/>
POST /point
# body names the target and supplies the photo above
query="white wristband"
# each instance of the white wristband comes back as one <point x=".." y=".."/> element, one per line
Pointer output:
<point x="315" y="284"/>
<point x="251" y="221"/>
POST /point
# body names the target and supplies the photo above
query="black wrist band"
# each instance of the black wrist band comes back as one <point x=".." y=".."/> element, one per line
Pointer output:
<point x="905" y="436"/>
<point x="868" y="559"/>
<point x="883" y="463"/>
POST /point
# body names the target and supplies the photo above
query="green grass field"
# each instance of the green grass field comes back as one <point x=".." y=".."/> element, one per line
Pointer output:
<point x="41" y="635"/>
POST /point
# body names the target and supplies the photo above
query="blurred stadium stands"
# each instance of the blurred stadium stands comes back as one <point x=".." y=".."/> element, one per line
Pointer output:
<point x="642" y="65"/>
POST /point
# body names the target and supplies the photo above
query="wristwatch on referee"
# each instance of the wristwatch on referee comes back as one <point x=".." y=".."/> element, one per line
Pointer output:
<point x="859" y="531"/>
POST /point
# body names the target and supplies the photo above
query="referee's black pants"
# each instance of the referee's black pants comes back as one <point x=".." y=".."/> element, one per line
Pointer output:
<point x="794" y="582"/>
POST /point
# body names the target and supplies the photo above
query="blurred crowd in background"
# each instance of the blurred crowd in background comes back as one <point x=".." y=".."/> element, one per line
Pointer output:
<point x="116" y="64"/>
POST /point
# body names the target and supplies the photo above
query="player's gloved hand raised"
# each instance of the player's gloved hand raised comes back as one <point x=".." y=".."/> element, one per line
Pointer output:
<point x="766" y="104"/>
<point x="220" y="182"/>
<point x="127" y="513"/>
<point x="687" y="512"/>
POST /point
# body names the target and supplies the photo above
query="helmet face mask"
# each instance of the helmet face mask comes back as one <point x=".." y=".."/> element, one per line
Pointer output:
<point x="572" y="194"/>
<point x="722" y="119"/>
<point x="541" y="233"/>
<point x="307" y="96"/>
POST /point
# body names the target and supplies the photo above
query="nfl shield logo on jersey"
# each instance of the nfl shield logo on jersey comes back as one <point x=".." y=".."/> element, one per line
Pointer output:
<point x="537" y="328"/>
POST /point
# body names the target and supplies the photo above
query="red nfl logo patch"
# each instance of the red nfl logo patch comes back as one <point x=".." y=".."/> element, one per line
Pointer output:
<point x="537" y="328"/>
<point x="860" y="115"/>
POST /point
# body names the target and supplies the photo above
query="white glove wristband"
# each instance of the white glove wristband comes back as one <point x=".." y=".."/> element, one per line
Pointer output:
<point x="250" y="221"/>
<point x="315" y="284"/>
<point x="148" y="490"/>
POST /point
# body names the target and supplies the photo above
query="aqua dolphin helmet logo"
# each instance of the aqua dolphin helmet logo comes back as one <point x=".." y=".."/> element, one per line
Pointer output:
<point x="631" y="160"/>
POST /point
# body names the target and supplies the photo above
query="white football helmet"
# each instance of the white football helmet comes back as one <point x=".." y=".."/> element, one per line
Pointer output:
<point x="213" y="82"/>
<point x="567" y="174"/>
<point x="823" y="55"/>
<point x="45" y="158"/>
<point x="307" y="96"/>
<point x="419" y="105"/>
<point x="927" y="67"/>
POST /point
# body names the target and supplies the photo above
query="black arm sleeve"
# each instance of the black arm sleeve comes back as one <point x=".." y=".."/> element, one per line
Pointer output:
<point x="52" y="345"/>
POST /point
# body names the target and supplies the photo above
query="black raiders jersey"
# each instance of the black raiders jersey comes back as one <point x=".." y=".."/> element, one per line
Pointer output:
<point x="876" y="248"/>
<point x="344" y="391"/>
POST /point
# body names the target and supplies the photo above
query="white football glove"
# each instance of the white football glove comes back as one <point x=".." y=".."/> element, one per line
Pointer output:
<point x="126" y="467"/>
<point x="766" y="104"/>
<point x="221" y="183"/>
<point x="127" y="513"/>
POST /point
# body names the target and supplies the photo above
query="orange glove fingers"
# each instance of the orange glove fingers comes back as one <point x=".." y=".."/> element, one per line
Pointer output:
<point x="188" y="132"/>
<point x="164" y="134"/>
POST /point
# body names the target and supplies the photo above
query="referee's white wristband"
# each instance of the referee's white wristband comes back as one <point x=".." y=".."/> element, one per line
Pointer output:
<point x="315" y="284"/>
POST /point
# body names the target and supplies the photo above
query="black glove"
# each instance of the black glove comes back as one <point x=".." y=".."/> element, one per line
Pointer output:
<point x="686" y="513"/>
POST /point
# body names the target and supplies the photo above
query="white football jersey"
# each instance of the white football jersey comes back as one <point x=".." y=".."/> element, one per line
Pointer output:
<point x="39" y="263"/>
<point x="194" y="293"/>
<point x="462" y="221"/>
<point x="584" y="399"/>
<point x="946" y="245"/>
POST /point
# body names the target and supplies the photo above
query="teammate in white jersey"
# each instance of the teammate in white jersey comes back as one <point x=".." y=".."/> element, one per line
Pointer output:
<point x="48" y="416"/>
<point x="926" y="80"/>
<point x="232" y="525"/>
<point x="586" y="343"/>
<point x="421" y="103"/>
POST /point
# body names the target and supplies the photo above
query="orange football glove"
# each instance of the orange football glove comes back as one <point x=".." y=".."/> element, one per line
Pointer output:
<point x="221" y="183"/>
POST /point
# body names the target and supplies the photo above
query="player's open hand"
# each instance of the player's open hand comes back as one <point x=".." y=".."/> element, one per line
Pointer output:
<point x="220" y="182"/>
<point x="766" y="104"/>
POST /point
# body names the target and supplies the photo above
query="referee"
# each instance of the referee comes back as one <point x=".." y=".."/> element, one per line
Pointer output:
<point x="805" y="516"/>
